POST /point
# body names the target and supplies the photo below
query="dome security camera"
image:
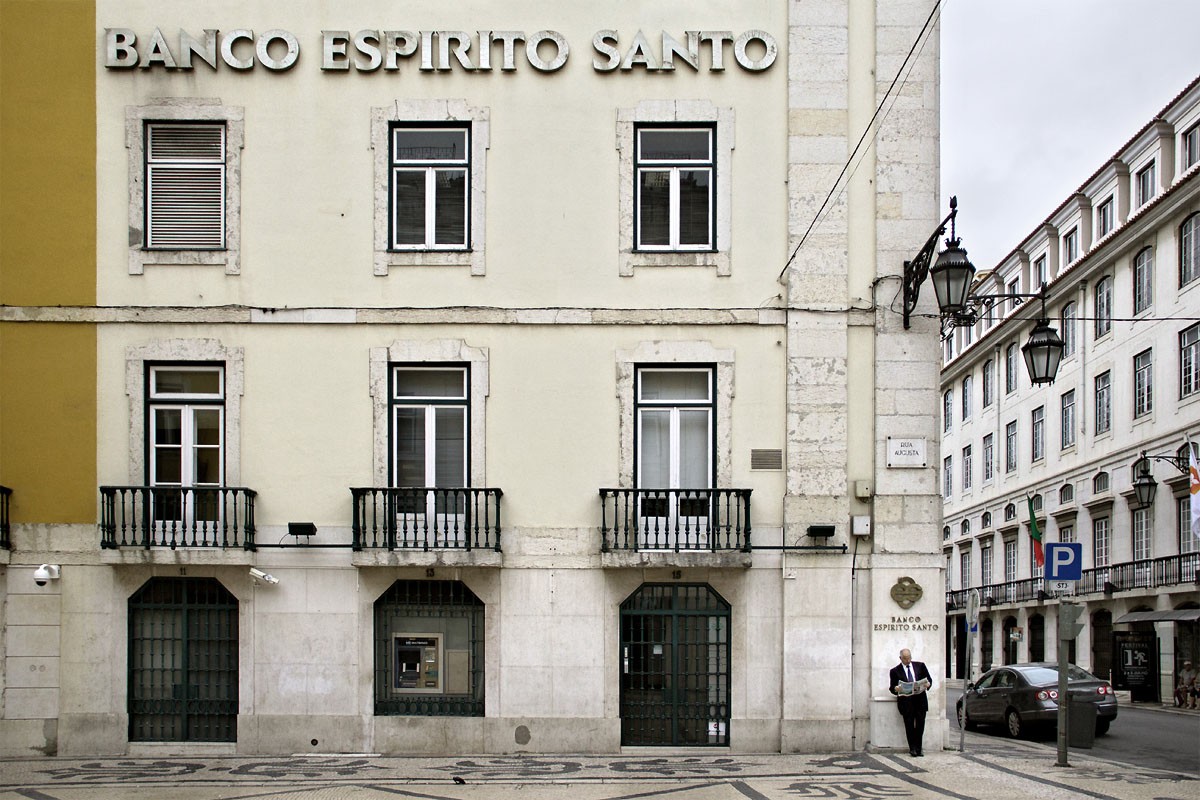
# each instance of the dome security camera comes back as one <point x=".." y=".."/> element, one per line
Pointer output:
<point x="45" y="573"/>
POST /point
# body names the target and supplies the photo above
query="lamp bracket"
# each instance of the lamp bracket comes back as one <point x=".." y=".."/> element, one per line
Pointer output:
<point x="1175" y="461"/>
<point x="970" y="314"/>
<point x="917" y="270"/>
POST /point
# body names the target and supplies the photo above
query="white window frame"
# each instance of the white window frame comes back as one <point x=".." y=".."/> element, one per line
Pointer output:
<point x="947" y="477"/>
<point x="967" y="467"/>
<point x="989" y="382"/>
<point x="1143" y="534"/>
<point x="1066" y="533"/>
<point x="199" y="111"/>
<point x="1040" y="276"/>
<point x="1143" y="280"/>
<point x="1103" y="306"/>
<point x="675" y="409"/>
<point x="947" y="410"/>
<point x="700" y="113"/>
<point x="967" y="390"/>
<point x="1068" y="320"/>
<point x="1189" y="360"/>
<point x="1146" y="188"/>
<point x="1010" y="369"/>
<point x="1037" y="424"/>
<point x="1189" y="250"/>
<point x="985" y="564"/>
<point x="673" y="169"/>
<point x="453" y="113"/>
<point x="188" y="405"/>
<point x="1102" y="394"/>
<point x="1010" y="560"/>
<point x="1070" y="246"/>
<point x="1011" y="443"/>
<point x="1101" y="541"/>
<point x="1190" y="147"/>
<point x="1067" y="416"/>
<point x="1143" y="383"/>
<point x="964" y="570"/>
<point x="430" y="168"/>
<point x="989" y="457"/>
<point x="1104" y="218"/>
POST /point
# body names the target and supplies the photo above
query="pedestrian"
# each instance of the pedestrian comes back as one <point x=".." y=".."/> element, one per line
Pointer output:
<point x="1187" y="690"/>
<point x="910" y="681"/>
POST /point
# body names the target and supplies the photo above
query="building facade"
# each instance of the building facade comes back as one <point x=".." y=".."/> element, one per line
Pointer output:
<point x="1119" y="259"/>
<point x="496" y="378"/>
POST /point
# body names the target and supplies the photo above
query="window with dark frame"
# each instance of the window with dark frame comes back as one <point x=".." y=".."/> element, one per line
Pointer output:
<point x="430" y="189"/>
<point x="675" y="177"/>
<point x="185" y="185"/>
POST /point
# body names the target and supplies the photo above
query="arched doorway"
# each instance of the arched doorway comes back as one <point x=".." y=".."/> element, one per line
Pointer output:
<point x="675" y="666"/>
<point x="1102" y="644"/>
<point x="985" y="645"/>
<point x="183" y="661"/>
<point x="1009" y="633"/>
<point x="1037" y="638"/>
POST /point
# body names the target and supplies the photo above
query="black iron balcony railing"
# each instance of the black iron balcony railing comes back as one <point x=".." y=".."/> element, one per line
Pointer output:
<point x="675" y="519"/>
<point x="5" y="533"/>
<point x="426" y="518"/>
<point x="1147" y="574"/>
<point x="162" y="516"/>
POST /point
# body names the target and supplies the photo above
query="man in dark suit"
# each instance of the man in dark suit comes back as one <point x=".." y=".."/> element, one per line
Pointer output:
<point x="912" y="707"/>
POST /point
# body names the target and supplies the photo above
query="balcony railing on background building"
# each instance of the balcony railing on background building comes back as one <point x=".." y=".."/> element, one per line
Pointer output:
<point x="1147" y="574"/>
<point x="426" y="518"/>
<point x="161" y="516"/>
<point x="675" y="519"/>
<point x="5" y="533"/>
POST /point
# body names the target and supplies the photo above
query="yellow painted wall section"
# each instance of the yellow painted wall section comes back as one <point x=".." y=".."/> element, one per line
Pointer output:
<point x="47" y="152"/>
<point x="48" y="257"/>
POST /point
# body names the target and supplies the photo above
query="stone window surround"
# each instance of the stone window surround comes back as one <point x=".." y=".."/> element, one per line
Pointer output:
<point x="190" y="109"/>
<point x="450" y="111"/>
<point x="432" y="352"/>
<point x="661" y="353"/>
<point x="183" y="351"/>
<point x="698" y="111"/>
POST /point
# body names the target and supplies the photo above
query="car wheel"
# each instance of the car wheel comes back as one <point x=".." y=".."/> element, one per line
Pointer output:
<point x="1102" y="726"/>
<point x="965" y="722"/>
<point x="1012" y="722"/>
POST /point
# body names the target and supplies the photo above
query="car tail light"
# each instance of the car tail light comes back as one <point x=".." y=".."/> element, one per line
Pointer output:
<point x="1105" y="689"/>
<point x="1047" y="694"/>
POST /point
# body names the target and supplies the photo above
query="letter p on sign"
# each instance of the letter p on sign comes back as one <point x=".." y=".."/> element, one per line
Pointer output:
<point x="1064" y="561"/>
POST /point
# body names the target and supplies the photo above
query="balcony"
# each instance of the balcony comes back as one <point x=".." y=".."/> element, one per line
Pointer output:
<point x="452" y="525"/>
<point x="214" y="517"/>
<point x="709" y="527"/>
<point x="1132" y="575"/>
<point x="5" y="532"/>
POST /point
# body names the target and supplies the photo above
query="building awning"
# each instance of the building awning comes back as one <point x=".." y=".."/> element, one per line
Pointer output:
<point x="1179" y="615"/>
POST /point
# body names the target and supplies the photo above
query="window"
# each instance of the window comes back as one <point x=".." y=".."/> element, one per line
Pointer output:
<point x="1145" y="184"/>
<point x="985" y="520"/>
<point x="1191" y="147"/>
<point x="1143" y="280"/>
<point x="430" y="179"/>
<point x="1104" y="218"/>
<point x="430" y="161"/>
<point x="964" y="528"/>
<point x="1066" y="534"/>
<point x="186" y="447"/>
<point x="964" y="570"/>
<point x="1100" y="483"/>
<point x="1067" y="405"/>
<point x="949" y="573"/>
<point x="1103" y="298"/>
<point x="674" y="410"/>
<point x="1010" y="447"/>
<point x="675" y="169"/>
<point x="1143" y="383"/>
<point x="1035" y="569"/>
<point x="966" y="467"/>
<point x="989" y="382"/>
<point x="1069" y="315"/>
<point x="1040" y="276"/>
<point x="985" y="565"/>
<point x="947" y="409"/>
<point x="967" y="389"/>
<point x="1189" y="360"/>
<point x="429" y="639"/>
<point x="989" y="457"/>
<point x="1066" y="495"/>
<point x="1038" y="430"/>
<point x="1010" y="560"/>
<point x="1101" y="540"/>
<point x="1011" y="359"/>
<point x="948" y="353"/>
<point x="1188" y="543"/>
<point x="1014" y="287"/>
<point x="185" y="184"/>
<point x="675" y="177"/>
<point x="1142" y="530"/>
<point x="947" y="477"/>
<point x="1070" y="246"/>
<point x="1103" y="394"/>
<point x="1189" y="250"/>
<point x="430" y="434"/>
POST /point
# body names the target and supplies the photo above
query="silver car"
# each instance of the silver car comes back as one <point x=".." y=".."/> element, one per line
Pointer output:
<point x="1020" y="696"/>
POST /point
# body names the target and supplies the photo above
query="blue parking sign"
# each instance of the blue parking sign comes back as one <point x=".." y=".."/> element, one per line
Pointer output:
<point x="1064" y="561"/>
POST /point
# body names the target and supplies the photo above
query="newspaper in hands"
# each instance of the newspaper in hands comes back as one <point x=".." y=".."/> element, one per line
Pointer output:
<point x="913" y="687"/>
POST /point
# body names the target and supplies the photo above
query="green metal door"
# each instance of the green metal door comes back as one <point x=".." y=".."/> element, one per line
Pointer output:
<point x="675" y="666"/>
<point x="183" y="662"/>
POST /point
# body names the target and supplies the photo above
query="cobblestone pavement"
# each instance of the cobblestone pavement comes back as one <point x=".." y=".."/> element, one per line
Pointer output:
<point x="989" y="770"/>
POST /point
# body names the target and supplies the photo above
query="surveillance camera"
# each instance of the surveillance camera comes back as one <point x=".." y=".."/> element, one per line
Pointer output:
<point x="255" y="572"/>
<point x="45" y="573"/>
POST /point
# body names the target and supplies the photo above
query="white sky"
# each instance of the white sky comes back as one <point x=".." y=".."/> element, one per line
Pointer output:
<point x="1037" y="94"/>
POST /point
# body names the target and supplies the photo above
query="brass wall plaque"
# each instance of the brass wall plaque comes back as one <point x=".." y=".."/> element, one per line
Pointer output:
<point x="906" y="592"/>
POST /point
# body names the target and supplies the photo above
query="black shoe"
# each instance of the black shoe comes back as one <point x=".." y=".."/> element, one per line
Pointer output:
<point x="913" y="753"/>
<point x="919" y="754"/>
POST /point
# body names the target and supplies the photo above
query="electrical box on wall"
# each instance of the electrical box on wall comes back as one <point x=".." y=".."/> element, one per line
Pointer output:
<point x="862" y="490"/>
<point x="860" y="525"/>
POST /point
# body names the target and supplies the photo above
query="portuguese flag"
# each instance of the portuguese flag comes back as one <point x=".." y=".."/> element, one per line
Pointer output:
<point x="1036" y="535"/>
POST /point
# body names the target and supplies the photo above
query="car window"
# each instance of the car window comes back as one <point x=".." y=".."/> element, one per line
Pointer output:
<point x="986" y="681"/>
<point x="1006" y="680"/>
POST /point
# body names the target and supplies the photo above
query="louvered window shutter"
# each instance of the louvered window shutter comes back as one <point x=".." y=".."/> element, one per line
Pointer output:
<point x="185" y="186"/>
